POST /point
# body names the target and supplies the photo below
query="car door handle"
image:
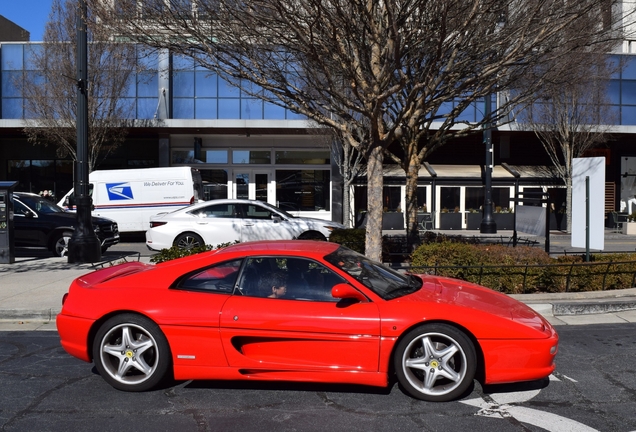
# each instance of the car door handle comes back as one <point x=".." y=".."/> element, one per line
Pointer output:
<point x="248" y="224"/>
<point x="202" y="222"/>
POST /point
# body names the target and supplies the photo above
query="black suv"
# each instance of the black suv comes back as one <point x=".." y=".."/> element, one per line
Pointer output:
<point x="39" y="222"/>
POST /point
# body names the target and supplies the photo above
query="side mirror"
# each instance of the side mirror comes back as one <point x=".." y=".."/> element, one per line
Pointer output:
<point x="276" y="218"/>
<point x="346" y="291"/>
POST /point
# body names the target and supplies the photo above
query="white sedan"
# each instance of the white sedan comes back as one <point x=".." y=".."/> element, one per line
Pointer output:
<point x="228" y="220"/>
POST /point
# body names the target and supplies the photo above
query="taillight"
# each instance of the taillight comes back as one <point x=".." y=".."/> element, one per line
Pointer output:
<point x="192" y="200"/>
<point x="156" y="224"/>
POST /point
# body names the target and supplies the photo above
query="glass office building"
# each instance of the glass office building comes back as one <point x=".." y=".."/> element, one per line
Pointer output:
<point x="248" y="148"/>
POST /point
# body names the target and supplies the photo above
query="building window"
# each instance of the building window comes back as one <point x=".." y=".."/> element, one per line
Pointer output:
<point x="302" y="190"/>
<point x="251" y="157"/>
<point x="474" y="198"/>
<point x="297" y="157"/>
<point x="214" y="183"/>
<point x="450" y="198"/>
<point x="391" y="198"/>
<point x="206" y="156"/>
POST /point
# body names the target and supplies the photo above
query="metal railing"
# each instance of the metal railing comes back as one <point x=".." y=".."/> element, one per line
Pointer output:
<point x="574" y="276"/>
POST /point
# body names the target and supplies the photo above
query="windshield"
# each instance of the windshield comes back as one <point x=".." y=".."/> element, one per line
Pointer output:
<point x="385" y="282"/>
<point x="39" y="205"/>
<point x="277" y="210"/>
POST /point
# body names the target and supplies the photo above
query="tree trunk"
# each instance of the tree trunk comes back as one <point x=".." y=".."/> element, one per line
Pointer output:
<point x="412" y="231"/>
<point x="375" y="183"/>
<point x="347" y="219"/>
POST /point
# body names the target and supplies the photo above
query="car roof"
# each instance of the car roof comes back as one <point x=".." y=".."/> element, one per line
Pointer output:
<point x="309" y="247"/>
<point x="227" y="201"/>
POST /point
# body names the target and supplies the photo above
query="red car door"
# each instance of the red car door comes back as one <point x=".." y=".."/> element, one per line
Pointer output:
<point x="287" y="334"/>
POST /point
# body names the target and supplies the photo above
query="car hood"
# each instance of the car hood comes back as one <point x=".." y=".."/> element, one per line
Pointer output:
<point x="471" y="296"/>
<point x="69" y="218"/>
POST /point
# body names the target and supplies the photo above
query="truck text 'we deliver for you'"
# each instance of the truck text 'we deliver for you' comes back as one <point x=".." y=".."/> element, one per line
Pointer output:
<point x="131" y="196"/>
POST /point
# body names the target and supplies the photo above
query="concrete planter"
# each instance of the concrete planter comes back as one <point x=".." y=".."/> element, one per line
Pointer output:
<point x="393" y="221"/>
<point x="629" y="228"/>
<point x="505" y="221"/>
<point x="450" y="221"/>
<point x="473" y="221"/>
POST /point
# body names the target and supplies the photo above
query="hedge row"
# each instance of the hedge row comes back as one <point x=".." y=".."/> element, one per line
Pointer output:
<point x="524" y="269"/>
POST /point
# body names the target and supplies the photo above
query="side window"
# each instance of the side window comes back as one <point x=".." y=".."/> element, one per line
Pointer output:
<point x="219" y="211"/>
<point x="288" y="278"/>
<point x="254" y="274"/>
<point x="219" y="278"/>
<point x="20" y="209"/>
<point x="310" y="280"/>
<point x="257" y="212"/>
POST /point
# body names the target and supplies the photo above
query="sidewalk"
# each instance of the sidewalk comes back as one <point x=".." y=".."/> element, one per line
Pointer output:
<point x="31" y="290"/>
<point x="31" y="293"/>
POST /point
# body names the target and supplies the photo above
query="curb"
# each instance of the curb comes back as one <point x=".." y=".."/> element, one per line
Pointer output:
<point x="43" y="315"/>
<point x="587" y="308"/>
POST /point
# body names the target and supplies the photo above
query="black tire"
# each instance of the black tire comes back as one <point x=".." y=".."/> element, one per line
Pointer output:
<point x="312" y="235"/>
<point x="435" y="362"/>
<point x="60" y="245"/>
<point x="131" y="353"/>
<point x="188" y="241"/>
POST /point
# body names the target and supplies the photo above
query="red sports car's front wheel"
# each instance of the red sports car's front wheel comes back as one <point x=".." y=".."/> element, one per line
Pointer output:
<point x="131" y="353"/>
<point x="435" y="362"/>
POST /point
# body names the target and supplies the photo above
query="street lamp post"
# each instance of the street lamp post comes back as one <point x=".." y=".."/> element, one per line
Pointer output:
<point x="488" y="224"/>
<point x="84" y="246"/>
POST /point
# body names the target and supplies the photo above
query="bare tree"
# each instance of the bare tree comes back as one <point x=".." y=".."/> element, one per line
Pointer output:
<point x="385" y="67"/>
<point x="522" y="48"/>
<point x="574" y="116"/>
<point x="351" y="165"/>
<point x="50" y="88"/>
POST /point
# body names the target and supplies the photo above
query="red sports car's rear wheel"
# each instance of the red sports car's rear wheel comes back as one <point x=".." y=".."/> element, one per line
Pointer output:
<point x="131" y="353"/>
<point x="435" y="362"/>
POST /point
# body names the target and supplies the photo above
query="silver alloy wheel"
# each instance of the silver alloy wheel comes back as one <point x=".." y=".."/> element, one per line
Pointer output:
<point x="188" y="241"/>
<point x="129" y="354"/>
<point x="434" y="364"/>
<point x="60" y="248"/>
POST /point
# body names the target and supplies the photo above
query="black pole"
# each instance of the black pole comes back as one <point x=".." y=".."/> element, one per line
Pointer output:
<point x="488" y="224"/>
<point x="514" y="218"/>
<point x="547" y="223"/>
<point x="84" y="246"/>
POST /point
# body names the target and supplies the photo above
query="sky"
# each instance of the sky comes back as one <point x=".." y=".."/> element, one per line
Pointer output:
<point x="31" y="15"/>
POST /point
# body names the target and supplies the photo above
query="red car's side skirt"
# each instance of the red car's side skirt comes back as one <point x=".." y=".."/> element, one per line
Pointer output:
<point x="376" y="379"/>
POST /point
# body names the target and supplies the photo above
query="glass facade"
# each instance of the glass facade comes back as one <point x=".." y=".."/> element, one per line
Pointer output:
<point x="196" y="93"/>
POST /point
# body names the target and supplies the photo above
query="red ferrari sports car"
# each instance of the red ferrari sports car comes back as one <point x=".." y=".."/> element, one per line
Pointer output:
<point x="300" y="311"/>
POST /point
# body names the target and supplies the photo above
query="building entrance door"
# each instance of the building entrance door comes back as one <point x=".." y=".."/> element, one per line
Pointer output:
<point x="251" y="184"/>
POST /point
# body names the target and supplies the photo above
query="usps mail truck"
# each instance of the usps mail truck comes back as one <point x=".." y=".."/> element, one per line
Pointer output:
<point x="131" y="196"/>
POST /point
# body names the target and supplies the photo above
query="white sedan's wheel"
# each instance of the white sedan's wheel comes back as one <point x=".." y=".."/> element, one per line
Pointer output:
<point x="131" y="353"/>
<point x="188" y="241"/>
<point x="435" y="362"/>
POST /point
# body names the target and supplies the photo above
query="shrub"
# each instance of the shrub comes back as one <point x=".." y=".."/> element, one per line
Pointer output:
<point x="174" y="252"/>
<point x="524" y="269"/>
<point x="352" y="238"/>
